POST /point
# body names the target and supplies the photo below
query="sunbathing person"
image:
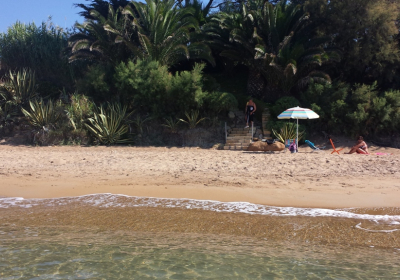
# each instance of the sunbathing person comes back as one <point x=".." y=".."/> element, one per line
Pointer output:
<point x="360" y="147"/>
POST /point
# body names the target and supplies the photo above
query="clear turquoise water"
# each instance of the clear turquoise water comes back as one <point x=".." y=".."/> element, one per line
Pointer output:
<point x="30" y="253"/>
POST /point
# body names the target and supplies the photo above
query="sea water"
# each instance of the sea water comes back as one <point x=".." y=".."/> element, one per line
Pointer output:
<point x="63" y="253"/>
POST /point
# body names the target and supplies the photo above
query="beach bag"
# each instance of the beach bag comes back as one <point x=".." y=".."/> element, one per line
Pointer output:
<point x="270" y="141"/>
<point x="292" y="147"/>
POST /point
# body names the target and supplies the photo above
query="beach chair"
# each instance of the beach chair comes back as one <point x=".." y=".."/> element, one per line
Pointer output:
<point x="313" y="147"/>
<point x="333" y="146"/>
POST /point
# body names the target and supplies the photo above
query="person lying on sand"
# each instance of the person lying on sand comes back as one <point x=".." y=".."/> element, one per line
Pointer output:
<point x="360" y="147"/>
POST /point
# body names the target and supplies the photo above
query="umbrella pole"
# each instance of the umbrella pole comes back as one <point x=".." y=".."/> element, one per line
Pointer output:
<point x="297" y="138"/>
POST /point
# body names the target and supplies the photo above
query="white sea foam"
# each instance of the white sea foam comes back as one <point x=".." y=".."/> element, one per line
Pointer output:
<point x="118" y="200"/>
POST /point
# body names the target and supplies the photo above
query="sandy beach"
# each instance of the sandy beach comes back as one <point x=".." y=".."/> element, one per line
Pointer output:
<point x="305" y="179"/>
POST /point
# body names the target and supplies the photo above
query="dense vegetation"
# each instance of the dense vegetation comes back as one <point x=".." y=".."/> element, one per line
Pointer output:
<point x="171" y="66"/>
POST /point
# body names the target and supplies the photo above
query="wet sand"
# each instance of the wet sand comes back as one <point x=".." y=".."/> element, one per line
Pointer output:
<point x="315" y="230"/>
<point x="370" y="183"/>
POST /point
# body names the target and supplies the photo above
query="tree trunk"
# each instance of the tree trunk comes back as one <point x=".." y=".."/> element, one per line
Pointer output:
<point x="255" y="84"/>
<point x="258" y="87"/>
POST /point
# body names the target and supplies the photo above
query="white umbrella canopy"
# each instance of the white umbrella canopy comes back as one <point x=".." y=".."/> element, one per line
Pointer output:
<point x="298" y="113"/>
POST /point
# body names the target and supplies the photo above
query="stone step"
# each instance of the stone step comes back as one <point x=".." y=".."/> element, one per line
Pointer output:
<point x="244" y="142"/>
<point x="238" y="140"/>
<point x="238" y="137"/>
<point x="242" y="148"/>
<point x="243" y="128"/>
<point x="242" y="131"/>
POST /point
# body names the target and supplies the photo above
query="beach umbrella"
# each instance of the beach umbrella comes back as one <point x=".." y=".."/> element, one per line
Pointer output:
<point x="298" y="113"/>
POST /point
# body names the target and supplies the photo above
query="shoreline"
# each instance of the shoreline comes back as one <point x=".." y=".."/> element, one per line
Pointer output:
<point x="367" y="184"/>
<point x="298" y="229"/>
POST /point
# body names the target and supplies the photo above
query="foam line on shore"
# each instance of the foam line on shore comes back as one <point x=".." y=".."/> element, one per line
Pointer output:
<point x="119" y="200"/>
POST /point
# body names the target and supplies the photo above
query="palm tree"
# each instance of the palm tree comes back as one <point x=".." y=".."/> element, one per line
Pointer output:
<point x="268" y="39"/>
<point x="94" y="42"/>
<point x="101" y="6"/>
<point x="164" y="32"/>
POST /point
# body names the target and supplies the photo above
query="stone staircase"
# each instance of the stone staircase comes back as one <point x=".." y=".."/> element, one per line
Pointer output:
<point x="239" y="138"/>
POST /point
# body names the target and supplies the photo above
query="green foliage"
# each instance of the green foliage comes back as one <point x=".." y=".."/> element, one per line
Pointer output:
<point x="270" y="40"/>
<point x="283" y="104"/>
<point x="97" y="39"/>
<point x="172" y="124"/>
<point x="109" y="124"/>
<point x="8" y="113"/>
<point x="159" y="92"/>
<point x="374" y="112"/>
<point x="365" y="31"/>
<point x="192" y="119"/>
<point x="330" y="102"/>
<point x="39" y="48"/>
<point x="288" y="131"/>
<point x="165" y="32"/>
<point x="361" y="110"/>
<point x="217" y="102"/>
<point x="139" y="124"/>
<point x="41" y="115"/>
<point x="19" y="87"/>
<point x="79" y="110"/>
<point x="97" y="82"/>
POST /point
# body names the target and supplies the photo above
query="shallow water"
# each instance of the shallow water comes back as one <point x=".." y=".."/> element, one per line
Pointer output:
<point x="70" y="238"/>
<point x="32" y="253"/>
<point x="106" y="200"/>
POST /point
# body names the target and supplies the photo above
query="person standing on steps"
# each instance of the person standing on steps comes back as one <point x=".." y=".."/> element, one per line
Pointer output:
<point x="249" y="111"/>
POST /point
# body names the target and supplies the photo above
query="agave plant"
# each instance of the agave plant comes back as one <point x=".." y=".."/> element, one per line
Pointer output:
<point x="41" y="115"/>
<point x="288" y="131"/>
<point x="192" y="119"/>
<point x="20" y="87"/>
<point x="109" y="124"/>
<point x="171" y="124"/>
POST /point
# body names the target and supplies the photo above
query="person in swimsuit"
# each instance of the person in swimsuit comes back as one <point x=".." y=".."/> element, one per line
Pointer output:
<point x="249" y="111"/>
<point x="360" y="147"/>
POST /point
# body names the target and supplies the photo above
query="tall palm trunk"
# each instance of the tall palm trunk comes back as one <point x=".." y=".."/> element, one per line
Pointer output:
<point x="258" y="87"/>
<point x="255" y="84"/>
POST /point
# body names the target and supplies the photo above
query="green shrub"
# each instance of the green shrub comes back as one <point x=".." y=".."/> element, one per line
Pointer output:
<point x="39" y="48"/>
<point x="282" y="104"/>
<point x="97" y="83"/>
<point x="361" y="110"/>
<point x="374" y="112"/>
<point x="330" y="102"/>
<point x="79" y="110"/>
<point x="150" y="85"/>
<point x="216" y="101"/>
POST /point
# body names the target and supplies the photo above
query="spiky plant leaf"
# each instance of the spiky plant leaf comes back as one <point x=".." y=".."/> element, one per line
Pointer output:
<point x="41" y="114"/>
<point x="109" y="124"/>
